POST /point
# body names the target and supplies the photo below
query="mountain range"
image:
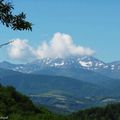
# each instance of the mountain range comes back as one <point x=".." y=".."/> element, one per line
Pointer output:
<point x="73" y="62"/>
<point x="66" y="83"/>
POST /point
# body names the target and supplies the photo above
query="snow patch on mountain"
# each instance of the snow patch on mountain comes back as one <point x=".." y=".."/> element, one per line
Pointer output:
<point x="86" y="64"/>
<point x="72" y="62"/>
<point x="59" y="64"/>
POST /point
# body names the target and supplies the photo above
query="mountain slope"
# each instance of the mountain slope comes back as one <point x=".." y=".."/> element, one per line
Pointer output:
<point x="36" y="85"/>
<point x="87" y="68"/>
<point x="77" y="94"/>
<point x="85" y="62"/>
<point x="29" y="83"/>
<point x="71" y="63"/>
<point x="112" y="70"/>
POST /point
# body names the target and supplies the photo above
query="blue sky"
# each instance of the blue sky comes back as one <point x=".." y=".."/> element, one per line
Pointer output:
<point x="91" y="23"/>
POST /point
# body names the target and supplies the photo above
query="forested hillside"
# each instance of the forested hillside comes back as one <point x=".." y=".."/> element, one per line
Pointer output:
<point x="16" y="106"/>
<point x="109" y="112"/>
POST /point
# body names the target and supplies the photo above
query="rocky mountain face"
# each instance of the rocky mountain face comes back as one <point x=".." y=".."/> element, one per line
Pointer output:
<point x="71" y="63"/>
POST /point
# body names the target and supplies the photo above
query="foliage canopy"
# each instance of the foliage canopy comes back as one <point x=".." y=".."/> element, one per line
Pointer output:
<point x="15" y="22"/>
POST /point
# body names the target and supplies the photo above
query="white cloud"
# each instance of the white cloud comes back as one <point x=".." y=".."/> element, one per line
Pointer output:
<point x="61" y="45"/>
<point x="20" y="50"/>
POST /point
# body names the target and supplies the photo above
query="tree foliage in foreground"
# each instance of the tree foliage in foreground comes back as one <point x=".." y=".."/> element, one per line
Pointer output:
<point x="15" y="22"/>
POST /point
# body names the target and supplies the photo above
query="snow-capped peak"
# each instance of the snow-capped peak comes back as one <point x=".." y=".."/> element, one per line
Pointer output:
<point x="77" y="62"/>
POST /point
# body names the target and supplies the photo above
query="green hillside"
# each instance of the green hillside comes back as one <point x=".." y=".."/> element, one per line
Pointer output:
<point x="109" y="112"/>
<point x="16" y="106"/>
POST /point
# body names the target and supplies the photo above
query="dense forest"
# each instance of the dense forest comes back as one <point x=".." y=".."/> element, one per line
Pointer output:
<point x="16" y="106"/>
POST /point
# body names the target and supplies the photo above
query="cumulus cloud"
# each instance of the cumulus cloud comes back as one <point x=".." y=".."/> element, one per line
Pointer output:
<point x="21" y="50"/>
<point x="61" y="45"/>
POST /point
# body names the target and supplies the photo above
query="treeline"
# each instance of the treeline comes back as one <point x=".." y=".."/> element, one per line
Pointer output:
<point x="109" y="112"/>
<point x="16" y="106"/>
